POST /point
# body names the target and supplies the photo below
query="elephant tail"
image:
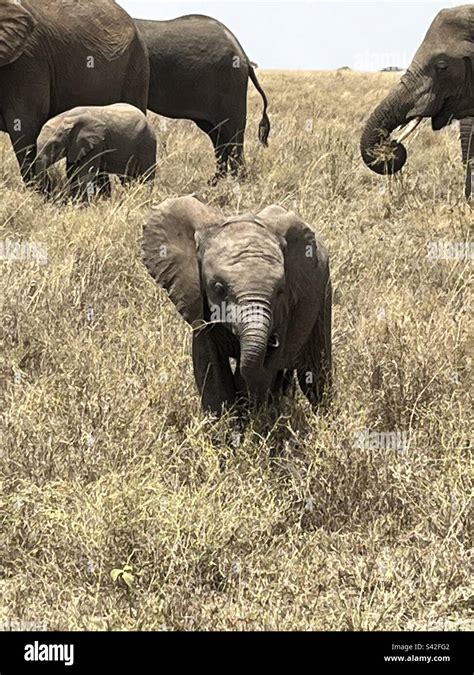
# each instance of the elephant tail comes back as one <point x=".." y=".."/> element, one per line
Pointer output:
<point x="264" y="126"/>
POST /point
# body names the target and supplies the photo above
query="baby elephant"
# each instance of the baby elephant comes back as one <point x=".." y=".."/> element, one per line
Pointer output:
<point x="96" y="141"/>
<point x="255" y="288"/>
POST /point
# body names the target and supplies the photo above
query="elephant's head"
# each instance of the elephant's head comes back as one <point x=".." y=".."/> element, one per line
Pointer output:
<point x="72" y="136"/>
<point x="439" y="84"/>
<point x="245" y="272"/>
<point x="16" y="26"/>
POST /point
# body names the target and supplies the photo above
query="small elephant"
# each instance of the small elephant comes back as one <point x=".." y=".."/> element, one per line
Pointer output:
<point x="255" y="288"/>
<point x="96" y="141"/>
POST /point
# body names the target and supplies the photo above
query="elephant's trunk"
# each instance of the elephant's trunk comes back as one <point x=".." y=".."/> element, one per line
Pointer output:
<point x="375" y="141"/>
<point x="255" y="322"/>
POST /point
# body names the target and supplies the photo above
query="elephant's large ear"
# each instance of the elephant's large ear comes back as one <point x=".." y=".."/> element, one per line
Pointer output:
<point x="169" y="247"/>
<point x="16" y="25"/>
<point x="87" y="136"/>
<point x="305" y="252"/>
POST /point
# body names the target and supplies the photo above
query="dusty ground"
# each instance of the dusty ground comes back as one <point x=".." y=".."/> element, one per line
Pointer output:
<point x="356" y="520"/>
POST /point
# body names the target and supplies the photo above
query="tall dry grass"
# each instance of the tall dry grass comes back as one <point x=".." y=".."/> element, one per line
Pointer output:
<point x="108" y="461"/>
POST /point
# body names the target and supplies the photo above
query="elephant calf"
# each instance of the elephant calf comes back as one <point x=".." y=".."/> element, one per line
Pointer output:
<point x="255" y="288"/>
<point x="96" y="141"/>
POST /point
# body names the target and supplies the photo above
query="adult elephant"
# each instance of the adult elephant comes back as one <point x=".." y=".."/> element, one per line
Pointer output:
<point x="439" y="83"/>
<point x="255" y="287"/>
<point x="59" y="54"/>
<point x="199" y="71"/>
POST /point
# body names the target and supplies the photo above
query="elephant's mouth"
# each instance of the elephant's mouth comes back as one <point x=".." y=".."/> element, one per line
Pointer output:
<point x="441" y="119"/>
<point x="438" y="121"/>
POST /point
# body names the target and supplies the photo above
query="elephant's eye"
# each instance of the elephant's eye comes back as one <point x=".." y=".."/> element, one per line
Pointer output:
<point x="442" y="64"/>
<point x="219" y="287"/>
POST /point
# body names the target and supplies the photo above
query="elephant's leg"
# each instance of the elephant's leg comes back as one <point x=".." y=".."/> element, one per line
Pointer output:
<point x="147" y="163"/>
<point x="221" y="150"/>
<point x="467" y="149"/>
<point x="229" y="147"/>
<point x="212" y="372"/>
<point x="221" y="155"/>
<point x="25" y="152"/>
<point x="86" y="180"/>
<point x="314" y="369"/>
<point x="241" y="394"/>
<point x="283" y="382"/>
<point x="71" y="178"/>
<point x="236" y="154"/>
<point x="82" y="185"/>
<point x="103" y="186"/>
<point x="148" y="172"/>
<point x="25" y="157"/>
<point x="23" y="128"/>
<point x="125" y="179"/>
<point x="281" y="385"/>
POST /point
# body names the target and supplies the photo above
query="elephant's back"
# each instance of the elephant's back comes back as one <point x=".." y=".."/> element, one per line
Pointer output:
<point x="197" y="67"/>
<point x="123" y="117"/>
<point x="126" y="117"/>
<point x="192" y="38"/>
<point x="101" y="29"/>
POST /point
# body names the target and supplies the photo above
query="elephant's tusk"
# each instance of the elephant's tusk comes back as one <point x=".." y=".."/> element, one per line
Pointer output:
<point x="274" y="341"/>
<point x="407" y="129"/>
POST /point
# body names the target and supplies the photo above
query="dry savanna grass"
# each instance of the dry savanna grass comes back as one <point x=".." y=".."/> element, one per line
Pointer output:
<point x="353" y="520"/>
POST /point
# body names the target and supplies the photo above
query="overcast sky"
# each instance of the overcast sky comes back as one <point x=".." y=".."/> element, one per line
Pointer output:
<point x="312" y="35"/>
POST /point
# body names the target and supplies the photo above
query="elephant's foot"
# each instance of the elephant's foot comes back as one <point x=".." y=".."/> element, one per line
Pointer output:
<point x="221" y="172"/>
<point x="238" y="169"/>
<point x="40" y="182"/>
<point x="240" y="174"/>
<point x="216" y="178"/>
<point x="44" y="185"/>
<point x="102" y="186"/>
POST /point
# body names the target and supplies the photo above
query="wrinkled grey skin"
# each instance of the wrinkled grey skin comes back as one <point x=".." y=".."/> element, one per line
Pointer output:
<point x="58" y="54"/>
<point x="199" y="71"/>
<point x="98" y="140"/>
<point x="439" y="84"/>
<point x="269" y="274"/>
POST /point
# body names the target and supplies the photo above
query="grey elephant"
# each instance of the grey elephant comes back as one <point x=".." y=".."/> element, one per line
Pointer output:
<point x="255" y="288"/>
<point x="199" y="71"/>
<point x="439" y="84"/>
<point x="97" y="141"/>
<point x="58" y="54"/>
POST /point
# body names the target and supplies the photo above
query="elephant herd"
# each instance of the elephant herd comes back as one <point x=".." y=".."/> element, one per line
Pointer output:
<point x="76" y="80"/>
<point x="59" y="57"/>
